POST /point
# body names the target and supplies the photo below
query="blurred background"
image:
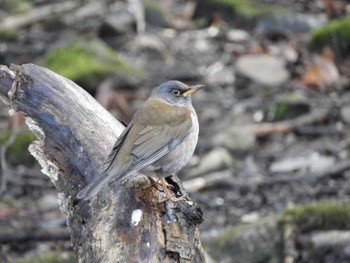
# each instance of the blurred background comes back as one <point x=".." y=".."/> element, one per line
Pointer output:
<point x="271" y="170"/>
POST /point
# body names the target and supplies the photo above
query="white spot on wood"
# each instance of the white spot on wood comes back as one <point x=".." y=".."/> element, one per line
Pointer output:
<point x="190" y="202"/>
<point x="136" y="217"/>
<point x="48" y="167"/>
<point x="12" y="111"/>
<point x="34" y="127"/>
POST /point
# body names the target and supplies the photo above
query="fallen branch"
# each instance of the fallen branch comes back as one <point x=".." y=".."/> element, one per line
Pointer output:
<point x="75" y="135"/>
<point x="37" y="15"/>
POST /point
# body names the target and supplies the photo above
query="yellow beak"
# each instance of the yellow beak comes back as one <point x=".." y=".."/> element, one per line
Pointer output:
<point x="193" y="89"/>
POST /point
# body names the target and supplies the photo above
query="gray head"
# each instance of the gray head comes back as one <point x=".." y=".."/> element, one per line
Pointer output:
<point x="176" y="92"/>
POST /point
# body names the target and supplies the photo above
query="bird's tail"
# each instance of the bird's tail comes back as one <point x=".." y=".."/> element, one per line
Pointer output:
<point x="96" y="185"/>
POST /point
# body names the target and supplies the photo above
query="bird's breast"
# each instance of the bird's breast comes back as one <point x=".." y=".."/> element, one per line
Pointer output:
<point x="178" y="157"/>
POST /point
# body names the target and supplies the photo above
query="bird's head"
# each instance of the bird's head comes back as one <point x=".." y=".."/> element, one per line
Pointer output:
<point x="176" y="92"/>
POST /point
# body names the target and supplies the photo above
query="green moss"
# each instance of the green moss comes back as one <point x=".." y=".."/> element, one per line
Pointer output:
<point x="4" y="136"/>
<point x="83" y="58"/>
<point x="50" y="257"/>
<point x="16" y="6"/>
<point x="285" y="110"/>
<point x="17" y="152"/>
<point x="319" y="216"/>
<point x="8" y="34"/>
<point x="335" y="34"/>
<point x="245" y="8"/>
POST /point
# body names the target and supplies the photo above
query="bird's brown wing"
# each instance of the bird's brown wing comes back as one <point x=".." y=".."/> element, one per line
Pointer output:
<point x="105" y="176"/>
<point x="110" y="158"/>
<point x="154" y="142"/>
<point x="156" y="128"/>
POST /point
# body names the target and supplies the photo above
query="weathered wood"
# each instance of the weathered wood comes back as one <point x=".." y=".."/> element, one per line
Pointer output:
<point x="74" y="135"/>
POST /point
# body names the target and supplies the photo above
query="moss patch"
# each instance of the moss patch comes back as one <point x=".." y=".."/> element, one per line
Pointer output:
<point x="8" y="34"/>
<point x="244" y="8"/>
<point x="319" y="216"/>
<point x="335" y="34"/>
<point x="17" y="153"/>
<point x="83" y="58"/>
<point x="236" y="12"/>
<point x="15" y="6"/>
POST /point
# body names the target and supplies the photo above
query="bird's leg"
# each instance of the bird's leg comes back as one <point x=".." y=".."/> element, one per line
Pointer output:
<point x="168" y="196"/>
<point x="165" y="189"/>
<point x="154" y="183"/>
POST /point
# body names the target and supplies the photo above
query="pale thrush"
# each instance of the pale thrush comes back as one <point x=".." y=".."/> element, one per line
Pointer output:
<point x="159" y="141"/>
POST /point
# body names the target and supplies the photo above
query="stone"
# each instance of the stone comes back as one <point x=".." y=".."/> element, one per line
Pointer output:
<point x="315" y="162"/>
<point x="257" y="242"/>
<point x="345" y="113"/>
<point x="216" y="159"/>
<point x="237" y="35"/>
<point x="235" y="139"/>
<point x="265" y="70"/>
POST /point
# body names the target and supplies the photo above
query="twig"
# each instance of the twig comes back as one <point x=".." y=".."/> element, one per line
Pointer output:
<point x="37" y="15"/>
<point x="5" y="170"/>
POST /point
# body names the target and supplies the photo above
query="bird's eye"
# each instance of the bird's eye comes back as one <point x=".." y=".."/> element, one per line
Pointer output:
<point x="176" y="92"/>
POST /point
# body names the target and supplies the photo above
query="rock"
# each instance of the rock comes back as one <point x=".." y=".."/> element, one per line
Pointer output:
<point x="237" y="35"/>
<point x="345" y="113"/>
<point x="181" y="70"/>
<point x="252" y="217"/>
<point x="312" y="163"/>
<point x="216" y="159"/>
<point x="265" y="70"/>
<point x="331" y="244"/>
<point x="219" y="74"/>
<point x="325" y="239"/>
<point x="258" y="242"/>
<point x="117" y="25"/>
<point x="150" y="46"/>
<point x="235" y="139"/>
<point x="48" y="201"/>
<point x="290" y="22"/>
<point x="156" y="15"/>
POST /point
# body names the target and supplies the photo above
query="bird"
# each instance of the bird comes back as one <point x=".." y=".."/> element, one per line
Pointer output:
<point x="158" y="142"/>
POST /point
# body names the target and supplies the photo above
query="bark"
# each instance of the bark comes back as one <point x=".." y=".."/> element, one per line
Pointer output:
<point x="74" y="135"/>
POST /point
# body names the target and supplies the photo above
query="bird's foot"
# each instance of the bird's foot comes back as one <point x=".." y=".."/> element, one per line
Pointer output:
<point x="155" y="184"/>
<point x="174" y="199"/>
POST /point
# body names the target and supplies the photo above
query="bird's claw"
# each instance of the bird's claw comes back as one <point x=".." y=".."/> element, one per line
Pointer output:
<point x="174" y="199"/>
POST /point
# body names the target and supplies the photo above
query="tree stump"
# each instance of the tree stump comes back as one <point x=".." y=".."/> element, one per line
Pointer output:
<point x="123" y="223"/>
